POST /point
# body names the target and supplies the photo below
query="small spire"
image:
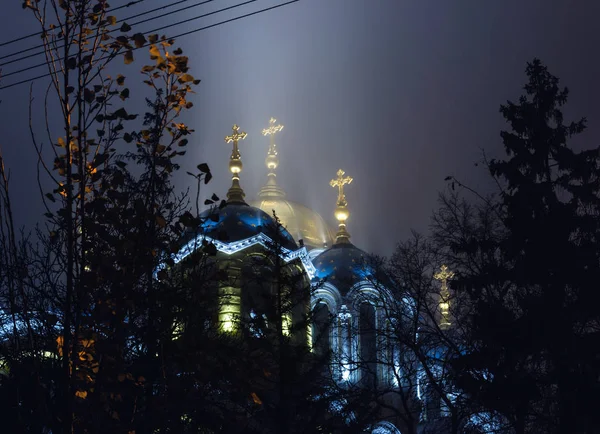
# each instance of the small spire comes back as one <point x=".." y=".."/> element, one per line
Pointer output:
<point x="271" y="189"/>
<point x="443" y="276"/>
<point x="341" y="211"/>
<point x="235" y="193"/>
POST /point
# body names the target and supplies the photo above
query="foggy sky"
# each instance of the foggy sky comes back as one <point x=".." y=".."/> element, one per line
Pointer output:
<point x="397" y="93"/>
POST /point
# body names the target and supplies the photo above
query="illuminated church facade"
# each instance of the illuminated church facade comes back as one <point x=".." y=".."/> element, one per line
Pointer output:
<point x="344" y="288"/>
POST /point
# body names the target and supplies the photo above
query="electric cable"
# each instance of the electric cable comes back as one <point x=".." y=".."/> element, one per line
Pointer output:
<point x="141" y="14"/>
<point x="38" y="65"/>
<point x="173" y="37"/>
<point x="21" y="38"/>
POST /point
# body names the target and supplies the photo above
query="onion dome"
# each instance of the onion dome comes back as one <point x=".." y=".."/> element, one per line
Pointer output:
<point x="343" y="264"/>
<point x="237" y="220"/>
<point x="302" y="222"/>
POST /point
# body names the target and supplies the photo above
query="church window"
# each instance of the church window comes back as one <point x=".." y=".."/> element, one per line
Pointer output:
<point x="321" y="329"/>
<point x="368" y="344"/>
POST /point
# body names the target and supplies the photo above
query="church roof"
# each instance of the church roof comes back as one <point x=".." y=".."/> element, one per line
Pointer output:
<point x="238" y="221"/>
<point x="302" y="222"/>
<point x="343" y="265"/>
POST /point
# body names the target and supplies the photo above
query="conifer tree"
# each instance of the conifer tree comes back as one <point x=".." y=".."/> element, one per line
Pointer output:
<point x="534" y="296"/>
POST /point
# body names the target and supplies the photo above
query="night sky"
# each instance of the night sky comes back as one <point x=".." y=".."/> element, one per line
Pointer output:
<point x="399" y="94"/>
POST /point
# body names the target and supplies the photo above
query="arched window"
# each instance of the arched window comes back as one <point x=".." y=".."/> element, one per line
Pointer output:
<point x="321" y="328"/>
<point x="368" y="344"/>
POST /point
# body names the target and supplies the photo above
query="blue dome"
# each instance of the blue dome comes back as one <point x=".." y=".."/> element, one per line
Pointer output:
<point x="238" y="221"/>
<point x="343" y="265"/>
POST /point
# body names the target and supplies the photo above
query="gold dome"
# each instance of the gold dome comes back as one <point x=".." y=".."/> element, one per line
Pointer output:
<point x="301" y="222"/>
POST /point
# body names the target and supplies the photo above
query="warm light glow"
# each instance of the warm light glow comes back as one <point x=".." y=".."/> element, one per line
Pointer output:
<point x="236" y="136"/>
<point x="177" y="330"/>
<point x="339" y="182"/>
<point x="341" y="212"/>
<point x="229" y="310"/>
<point x="227" y="321"/>
<point x="273" y="129"/>
<point x="48" y="354"/>
<point x="443" y="275"/>
<point x="286" y="324"/>
<point x="235" y="193"/>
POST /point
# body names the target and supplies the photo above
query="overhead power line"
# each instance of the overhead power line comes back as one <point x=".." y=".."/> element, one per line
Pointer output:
<point x="141" y="14"/>
<point x="174" y="36"/>
<point x="21" y="38"/>
<point x="38" y="65"/>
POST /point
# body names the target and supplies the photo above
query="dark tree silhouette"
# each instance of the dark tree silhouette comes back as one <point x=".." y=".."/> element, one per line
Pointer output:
<point x="531" y="269"/>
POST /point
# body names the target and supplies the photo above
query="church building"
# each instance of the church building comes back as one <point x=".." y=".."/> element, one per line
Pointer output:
<point x="349" y="298"/>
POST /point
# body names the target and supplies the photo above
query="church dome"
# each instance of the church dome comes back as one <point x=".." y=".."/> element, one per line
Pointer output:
<point x="239" y="221"/>
<point x="343" y="265"/>
<point x="301" y="222"/>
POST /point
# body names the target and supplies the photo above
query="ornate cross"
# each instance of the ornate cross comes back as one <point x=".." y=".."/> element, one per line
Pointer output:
<point x="235" y="192"/>
<point x="444" y="275"/>
<point x="235" y="154"/>
<point x="339" y="183"/>
<point x="273" y="129"/>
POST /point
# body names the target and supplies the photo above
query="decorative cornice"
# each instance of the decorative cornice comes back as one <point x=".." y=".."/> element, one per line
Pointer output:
<point x="236" y="246"/>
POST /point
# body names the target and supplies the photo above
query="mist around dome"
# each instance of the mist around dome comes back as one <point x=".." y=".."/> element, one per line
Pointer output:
<point x="302" y="222"/>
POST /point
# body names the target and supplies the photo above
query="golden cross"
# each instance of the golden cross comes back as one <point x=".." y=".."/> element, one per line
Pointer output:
<point x="234" y="138"/>
<point x="271" y="131"/>
<point x="236" y="135"/>
<point x="443" y="275"/>
<point x="339" y="183"/>
<point x="272" y="128"/>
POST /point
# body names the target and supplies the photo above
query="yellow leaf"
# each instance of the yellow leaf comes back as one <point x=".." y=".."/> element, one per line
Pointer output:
<point x="81" y="394"/>
<point x="128" y="57"/>
<point x="155" y="53"/>
<point x="186" y="78"/>
<point x="255" y="398"/>
<point x="59" y="345"/>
